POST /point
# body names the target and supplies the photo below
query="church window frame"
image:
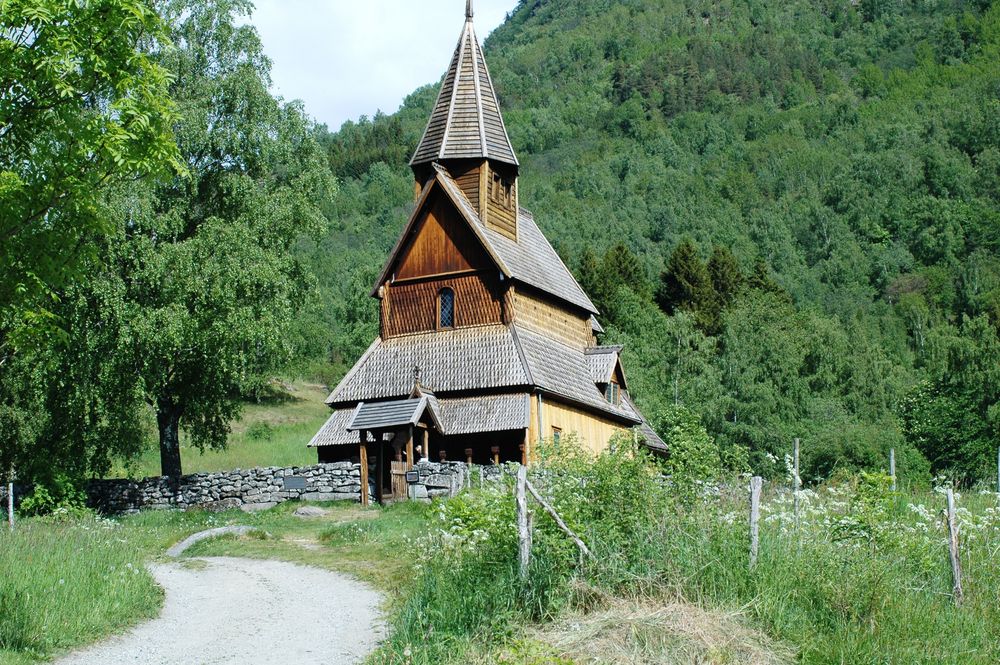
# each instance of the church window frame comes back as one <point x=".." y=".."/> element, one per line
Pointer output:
<point x="446" y="308"/>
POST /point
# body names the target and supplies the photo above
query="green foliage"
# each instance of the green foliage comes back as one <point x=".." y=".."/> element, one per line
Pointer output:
<point x="84" y="106"/>
<point x="188" y="306"/>
<point x="844" y="156"/>
<point x="693" y="458"/>
<point x="57" y="494"/>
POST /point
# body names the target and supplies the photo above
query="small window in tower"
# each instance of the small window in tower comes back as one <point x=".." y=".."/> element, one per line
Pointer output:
<point x="501" y="190"/>
<point x="556" y="435"/>
<point x="613" y="393"/>
<point x="446" y="308"/>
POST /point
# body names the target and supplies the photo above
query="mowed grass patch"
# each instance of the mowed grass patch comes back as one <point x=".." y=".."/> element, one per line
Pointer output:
<point x="66" y="584"/>
<point x="272" y="432"/>
<point x="376" y="544"/>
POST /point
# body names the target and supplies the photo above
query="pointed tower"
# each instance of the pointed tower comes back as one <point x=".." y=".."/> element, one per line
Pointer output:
<point x="466" y="135"/>
<point x="476" y="297"/>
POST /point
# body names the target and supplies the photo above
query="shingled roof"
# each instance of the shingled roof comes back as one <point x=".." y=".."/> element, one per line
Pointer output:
<point x="483" y="357"/>
<point x="466" y="122"/>
<point x="480" y="358"/>
<point x="461" y="415"/>
<point x="562" y="370"/>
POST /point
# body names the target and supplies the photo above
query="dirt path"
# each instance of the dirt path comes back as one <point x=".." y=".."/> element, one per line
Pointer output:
<point x="228" y="610"/>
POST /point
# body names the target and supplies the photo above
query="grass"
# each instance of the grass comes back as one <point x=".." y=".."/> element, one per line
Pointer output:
<point x="272" y="432"/>
<point x="105" y="587"/>
<point x="66" y="583"/>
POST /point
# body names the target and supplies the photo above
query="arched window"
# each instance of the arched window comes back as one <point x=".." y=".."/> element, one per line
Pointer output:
<point x="446" y="308"/>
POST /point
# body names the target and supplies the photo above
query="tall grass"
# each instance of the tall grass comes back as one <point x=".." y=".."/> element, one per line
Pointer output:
<point x="862" y="578"/>
<point x="67" y="584"/>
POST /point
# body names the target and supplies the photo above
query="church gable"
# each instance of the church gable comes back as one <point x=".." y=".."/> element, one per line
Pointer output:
<point x="441" y="243"/>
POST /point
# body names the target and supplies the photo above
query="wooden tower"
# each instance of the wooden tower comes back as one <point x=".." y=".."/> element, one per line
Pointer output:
<point x="487" y="344"/>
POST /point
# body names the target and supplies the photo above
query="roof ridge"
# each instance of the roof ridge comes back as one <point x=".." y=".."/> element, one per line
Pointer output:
<point x="520" y="354"/>
<point x="354" y="370"/>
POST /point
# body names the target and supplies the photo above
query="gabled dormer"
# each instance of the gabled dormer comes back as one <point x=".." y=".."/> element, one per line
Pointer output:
<point x="466" y="134"/>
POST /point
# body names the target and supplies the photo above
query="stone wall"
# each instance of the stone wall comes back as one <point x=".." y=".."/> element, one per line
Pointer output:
<point x="251" y="489"/>
<point x="262" y="488"/>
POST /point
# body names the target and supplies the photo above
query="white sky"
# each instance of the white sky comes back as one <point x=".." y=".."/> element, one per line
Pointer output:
<point x="348" y="58"/>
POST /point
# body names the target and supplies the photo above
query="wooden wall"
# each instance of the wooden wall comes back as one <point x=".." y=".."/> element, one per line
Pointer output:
<point x="411" y="307"/>
<point x="467" y="177"/>
<point x="540" y="314"/>
<point x="593" y="431"/>
<point x="441" y="243"/>
<point x="500" y="215"/>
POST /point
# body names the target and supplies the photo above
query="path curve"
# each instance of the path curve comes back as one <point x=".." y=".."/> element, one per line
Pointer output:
<point x="229" y="610"/>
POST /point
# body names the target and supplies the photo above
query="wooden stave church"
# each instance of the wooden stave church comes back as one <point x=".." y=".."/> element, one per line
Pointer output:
<point x="487" y="344"/>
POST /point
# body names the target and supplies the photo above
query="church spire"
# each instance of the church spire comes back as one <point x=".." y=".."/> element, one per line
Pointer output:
<point x="466" y="122"/>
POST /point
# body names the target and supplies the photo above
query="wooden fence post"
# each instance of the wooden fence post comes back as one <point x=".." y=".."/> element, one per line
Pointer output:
<point x="364" y="467"/>
<point x="582" y="546"/>
<point x="523" y="529"/>
<point x="797" y="485"/>
<point x="892" y="467"/>
<point x="956" y="565"/>
<point x="755" y="486"/>
<point x="10" y="500"/>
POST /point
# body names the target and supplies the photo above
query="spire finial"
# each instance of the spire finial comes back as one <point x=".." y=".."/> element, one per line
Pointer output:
<point x="468" y="10"/>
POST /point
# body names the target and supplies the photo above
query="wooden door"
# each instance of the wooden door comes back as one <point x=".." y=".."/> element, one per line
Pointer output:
<point x="399" y="485"/>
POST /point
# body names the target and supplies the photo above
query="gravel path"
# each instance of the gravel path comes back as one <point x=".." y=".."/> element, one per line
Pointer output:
<point x="228" y="610"/>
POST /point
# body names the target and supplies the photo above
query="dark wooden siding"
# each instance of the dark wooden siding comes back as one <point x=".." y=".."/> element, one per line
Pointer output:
<point x="411" y="307"/>
<point x="467" y="177"/>
<point x="441" y="243"/>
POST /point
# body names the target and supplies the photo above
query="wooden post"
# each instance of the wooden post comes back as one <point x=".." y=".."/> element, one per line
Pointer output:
<point x="496" y="454"/>
<point x="956" y="565"/>
<point x="364" y="467"/>
<point x="796" y="484"/>
<point x="10" y="500"/>
<point x="892" y="467"/>
<point x="584" y="550"/>
<point x="755" y="486"/>
<point x="523" y="532"/>
<point x="442" y="454"/>
<point x="468" y="457"/>
<point x="380" y="470"/>
<point x="526" y="449"/>
<point x="409" y="450"/>
<point x="427" y="445"/>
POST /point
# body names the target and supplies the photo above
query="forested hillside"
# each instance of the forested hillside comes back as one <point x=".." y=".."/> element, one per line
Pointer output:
<point x="788" y="212"/>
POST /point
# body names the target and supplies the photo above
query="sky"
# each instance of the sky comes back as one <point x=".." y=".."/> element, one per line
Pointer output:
<point x="348" y="59"/>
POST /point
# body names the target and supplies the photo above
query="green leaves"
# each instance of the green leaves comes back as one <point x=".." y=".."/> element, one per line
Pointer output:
<point x="84" y="106"/>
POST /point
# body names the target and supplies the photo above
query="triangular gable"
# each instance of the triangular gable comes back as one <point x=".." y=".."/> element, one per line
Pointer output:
<point x="441" y="243"/>
<point x="427" y="199"/>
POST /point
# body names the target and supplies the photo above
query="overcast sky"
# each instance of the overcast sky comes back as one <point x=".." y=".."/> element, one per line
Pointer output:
<point x="348" y="59"/>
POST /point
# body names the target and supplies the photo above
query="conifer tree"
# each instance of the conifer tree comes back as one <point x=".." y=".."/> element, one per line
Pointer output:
<point x="727" y="282"/>
<point x="686" y="285"/>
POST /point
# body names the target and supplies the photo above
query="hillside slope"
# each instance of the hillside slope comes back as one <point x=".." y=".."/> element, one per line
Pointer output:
<point x="847" y="154"/>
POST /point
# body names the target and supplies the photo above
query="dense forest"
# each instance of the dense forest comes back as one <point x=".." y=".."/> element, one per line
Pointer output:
<point x="788" y="212"/>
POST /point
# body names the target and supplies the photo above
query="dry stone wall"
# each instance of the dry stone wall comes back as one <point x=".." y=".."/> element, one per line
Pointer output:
<point x="261" y="488"/>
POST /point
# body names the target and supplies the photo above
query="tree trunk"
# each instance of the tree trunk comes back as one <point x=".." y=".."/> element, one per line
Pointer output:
<point x="168" y="419"/>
